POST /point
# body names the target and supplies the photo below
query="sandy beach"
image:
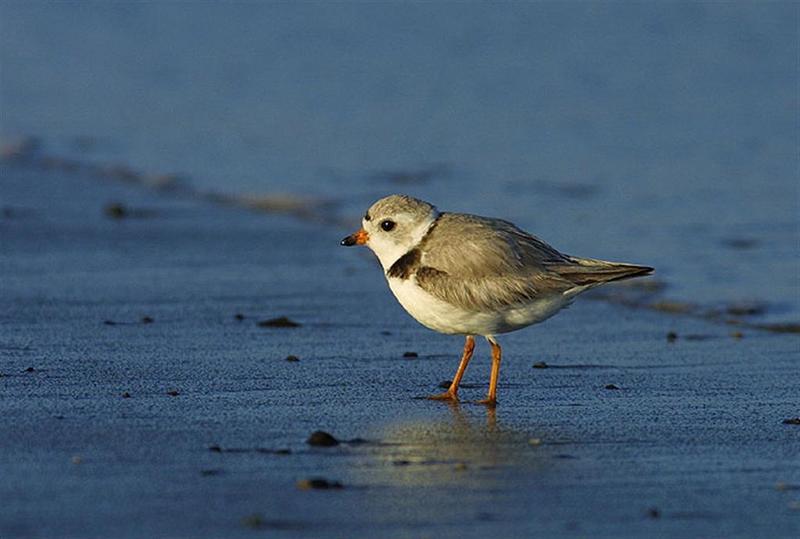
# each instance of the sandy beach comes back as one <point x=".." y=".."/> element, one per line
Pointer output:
<point x="177" y="316"/>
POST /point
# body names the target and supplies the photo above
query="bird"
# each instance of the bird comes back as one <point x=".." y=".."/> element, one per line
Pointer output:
<point x="463" y="274"/>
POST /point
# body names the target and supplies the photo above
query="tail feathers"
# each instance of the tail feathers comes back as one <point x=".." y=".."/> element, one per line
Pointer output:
<point x="587" y="272"/>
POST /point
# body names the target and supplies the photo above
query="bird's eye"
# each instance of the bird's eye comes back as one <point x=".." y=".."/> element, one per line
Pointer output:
<point x="387" y="225"/>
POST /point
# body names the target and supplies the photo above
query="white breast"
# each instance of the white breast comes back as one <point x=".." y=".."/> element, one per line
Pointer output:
<point x="444" y="317"/>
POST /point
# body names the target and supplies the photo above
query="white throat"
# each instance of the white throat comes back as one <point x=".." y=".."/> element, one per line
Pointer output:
<point x="388" y="252"/>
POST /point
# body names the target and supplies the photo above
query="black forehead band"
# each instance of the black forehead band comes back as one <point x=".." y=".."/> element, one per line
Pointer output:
<point x="367" y="217"/>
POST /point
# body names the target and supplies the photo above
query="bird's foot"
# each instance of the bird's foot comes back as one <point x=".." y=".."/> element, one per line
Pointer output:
<point x="489" y="403"/>
<point x="446" y="396"/>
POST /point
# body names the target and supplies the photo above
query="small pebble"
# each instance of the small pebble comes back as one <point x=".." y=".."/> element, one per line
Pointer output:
<point x="386" y="333"/>
<point x="410" y="354"/>
<point x="611" y="386"/>
<point x="460" y="466"/>
<point x="672" y="336"/>
<point x="792" y="421"/>
<point x="535" y="441"/>
<point x="445" y="384"/>
<point x="76" y="459"/>
<point x="292" y="358"/>
<point x="318" y="483"/>
<point x="653" y="512"/>
<point x="253" y="521"/>
<point x="116" y="210"/>
<point x="208" y="473"/>
<point x="238" y="316"/>
<point x="283" y="451"/>
<point x="737" y="334"/>
<point x="30" y="369"/>
<point x="280" y="322"/>
<point x="322" y="439"/>
<point x="147" y="320"/>
<point x="173" y="393"/>
<point x="109" y="322"/>
<point x="215" y="448"/>
<point x="540" y="365"/>
<point x="126" y="395"/>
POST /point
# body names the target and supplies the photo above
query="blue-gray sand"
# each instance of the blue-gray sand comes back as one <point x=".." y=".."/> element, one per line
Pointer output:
<point x="174" y="183"/>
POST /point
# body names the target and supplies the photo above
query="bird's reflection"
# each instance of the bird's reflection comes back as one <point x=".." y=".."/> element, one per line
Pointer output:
<point x="462" y="444"/>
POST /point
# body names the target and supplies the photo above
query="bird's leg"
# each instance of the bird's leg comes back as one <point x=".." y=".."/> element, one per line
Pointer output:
<point x="452" y="393"/>
<point x="497" y="354"/>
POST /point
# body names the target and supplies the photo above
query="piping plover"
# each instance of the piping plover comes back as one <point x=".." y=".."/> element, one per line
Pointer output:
<point x="463" y="274"/>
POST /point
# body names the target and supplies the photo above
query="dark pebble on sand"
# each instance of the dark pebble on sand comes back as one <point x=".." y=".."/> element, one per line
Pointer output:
<point x="254" y="521"/>
<point x="540" y="365"/>
<point x="322" y="439"/>
<point x="410" y="354"/>
<point x="653" y="512"/>
<point x="697" y="337"/>
<point x="126" y="395"/>
<point x="292" y="358"/>
<point x="780" y="328"/>
<point x="612" y="386"/>
<point x="445" y="384"/>
<point x="147" y="320"/>
<point x="215" y="448"/>
<point x="30" y="369"/>
<point x="318" y="483"/>
<point x="737" y="334"/>
<point x="173" y="393"/>
<point x="387" y="333"/>
<point x="109" y="322"/>
<point x="672" y="336"/>
<point x="674" y="307"/>
<point x="792" y="421"/>
<point x="238" y="316"/>
<point x="280" y="322"/>
<point x="740" y="243"/>
<point x="116" y="210"/>
<point x="747" y="309"/>
<point x="209" y="473"/>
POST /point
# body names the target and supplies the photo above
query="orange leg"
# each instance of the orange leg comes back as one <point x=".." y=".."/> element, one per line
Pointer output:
<point x="452" y="393"/>
<point x="497" y="354"/>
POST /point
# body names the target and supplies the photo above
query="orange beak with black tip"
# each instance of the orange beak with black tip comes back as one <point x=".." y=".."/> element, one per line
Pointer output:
<point x="358" y="238"/>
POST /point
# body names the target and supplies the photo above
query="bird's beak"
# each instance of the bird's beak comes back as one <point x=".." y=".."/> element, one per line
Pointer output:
<point x="359" y="238"/>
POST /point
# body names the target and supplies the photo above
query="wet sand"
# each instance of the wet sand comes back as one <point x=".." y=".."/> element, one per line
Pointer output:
<point x="177" y="317"/>
<point x="142" y="396"/>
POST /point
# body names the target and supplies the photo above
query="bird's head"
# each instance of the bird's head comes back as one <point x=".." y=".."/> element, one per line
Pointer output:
<point x="392" y="226"/>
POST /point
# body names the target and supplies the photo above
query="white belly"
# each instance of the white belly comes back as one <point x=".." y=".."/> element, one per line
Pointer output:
<point x="443" y="317"/>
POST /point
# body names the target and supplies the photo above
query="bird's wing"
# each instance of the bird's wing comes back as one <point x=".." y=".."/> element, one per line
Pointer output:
<point x="477" y="263"/>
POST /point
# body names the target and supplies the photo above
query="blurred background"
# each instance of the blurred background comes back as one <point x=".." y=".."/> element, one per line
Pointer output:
<point x="660" y="133"/>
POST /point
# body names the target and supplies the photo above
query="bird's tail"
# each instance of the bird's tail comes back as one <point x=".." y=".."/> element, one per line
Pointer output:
<point x="588" y="272"/>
